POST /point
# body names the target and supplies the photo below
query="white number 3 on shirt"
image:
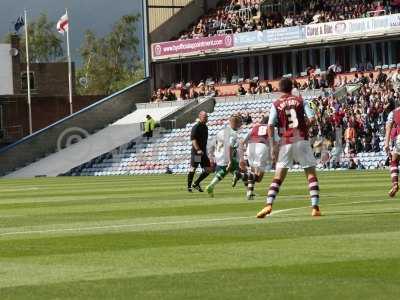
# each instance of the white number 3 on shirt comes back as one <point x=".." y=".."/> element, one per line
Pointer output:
<point x="262" y="130"/>
<point x="292" y="118"/>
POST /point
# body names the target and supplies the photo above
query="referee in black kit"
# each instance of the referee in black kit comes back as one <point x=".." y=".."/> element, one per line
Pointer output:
<point x="199" y="137"/>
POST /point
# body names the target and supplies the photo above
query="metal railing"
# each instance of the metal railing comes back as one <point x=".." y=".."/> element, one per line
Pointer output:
<point x="375" y="13"/>
<point x="271" y="96"/>
<point x="244" y="13"/>
<point x="225" y="31"/>
<point x="161" y="104"/>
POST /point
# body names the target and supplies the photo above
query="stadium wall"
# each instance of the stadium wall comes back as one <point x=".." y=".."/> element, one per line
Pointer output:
<point x="161" y="10"/>
<point x="90" y="119"/>
<point x="172" y="26"/>
<point x="181" y="118"/>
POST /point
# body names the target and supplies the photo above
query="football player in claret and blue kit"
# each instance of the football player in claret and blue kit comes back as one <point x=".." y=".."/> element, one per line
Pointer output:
<point x="258" y="151"/>
<point x="293" y="117"/>
<point x="393" y="135"/>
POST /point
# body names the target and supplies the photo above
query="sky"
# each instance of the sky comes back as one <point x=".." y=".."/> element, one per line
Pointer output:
<point x="96" y="15"/>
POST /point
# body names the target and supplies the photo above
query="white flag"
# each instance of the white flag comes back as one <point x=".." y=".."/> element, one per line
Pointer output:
<point x="62" y="24"/>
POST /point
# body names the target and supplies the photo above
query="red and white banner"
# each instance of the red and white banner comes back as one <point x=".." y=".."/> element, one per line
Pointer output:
<point x="62" y="24"/>
<point x="192" y="45"/>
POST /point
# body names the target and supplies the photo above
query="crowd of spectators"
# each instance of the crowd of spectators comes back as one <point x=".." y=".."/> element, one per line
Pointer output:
<point x="231" y="16"/>
<point x="255" y="87"/>
<point x="235" y="16"/>
<point x="162" y="95"/>
<point x="321" y="80"/>
<point x="320" y="11"/>
<point x="186" y="91"/>
<point x="356" y="123"/>
<point x="191" y="90"/>
<point x="330" y="79"/>
<point x="345" y="126"/>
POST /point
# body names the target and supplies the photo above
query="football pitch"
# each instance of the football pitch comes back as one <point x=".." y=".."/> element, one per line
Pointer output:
<point x="147" y="238"/>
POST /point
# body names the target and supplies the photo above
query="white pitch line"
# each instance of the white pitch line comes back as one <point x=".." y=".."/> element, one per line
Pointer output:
<point x="20" y="189"/>
<point x="11" y="216"/>
<point x="91" y="228"/>
<point x="78" y="229"/>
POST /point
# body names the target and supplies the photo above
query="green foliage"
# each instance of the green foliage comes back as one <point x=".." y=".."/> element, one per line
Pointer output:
<point x="45" y="44"/>
<point x="110" y="63"/>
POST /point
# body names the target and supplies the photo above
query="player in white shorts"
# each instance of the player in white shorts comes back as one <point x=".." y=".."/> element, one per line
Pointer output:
<point x="258" y="152"/>
<point x="224" y="152"/>
<point x="293" y="116"/>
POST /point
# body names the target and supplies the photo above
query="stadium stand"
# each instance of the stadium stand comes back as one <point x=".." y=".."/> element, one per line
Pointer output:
<point x="314" y="79"/>
<point x="170" y="152"/>
<point x="352" y="85"/>
<point x="235" y="16"/>
<point x="88" y="146"/>
<point x="349" y="134"/>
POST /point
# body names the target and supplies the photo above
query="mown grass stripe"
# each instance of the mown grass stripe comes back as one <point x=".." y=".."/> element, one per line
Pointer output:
<point x="153" y="238"/>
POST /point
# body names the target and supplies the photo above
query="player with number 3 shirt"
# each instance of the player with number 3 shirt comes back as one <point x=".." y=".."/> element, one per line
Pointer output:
<point x="293" y="116"/>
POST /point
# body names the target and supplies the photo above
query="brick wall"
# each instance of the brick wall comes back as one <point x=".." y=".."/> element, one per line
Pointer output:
<point x="50" y="78"/>
<point x="45" y="111"/>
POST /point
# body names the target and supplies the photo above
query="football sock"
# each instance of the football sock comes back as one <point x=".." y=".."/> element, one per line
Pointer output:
<point x="250" y="182"/>
<point x="273" y="190"/>
<point x="218" y="177"/>
<point x="190" y="179"/>
<point x="244" y="176"/>
<point x="394" y="172"/>
<point x="313" y="187"/>
<point x="202" y="176"/>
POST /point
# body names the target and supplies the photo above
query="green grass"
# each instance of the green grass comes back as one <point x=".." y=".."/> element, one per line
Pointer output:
<point x="147" y="238"/>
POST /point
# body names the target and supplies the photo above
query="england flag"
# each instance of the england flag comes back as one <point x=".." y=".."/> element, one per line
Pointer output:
<point x="62" y="24"/>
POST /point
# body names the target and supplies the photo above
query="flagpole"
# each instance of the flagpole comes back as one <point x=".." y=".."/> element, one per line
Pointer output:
<point x="146" y="47"/>
<point x="28" y="74"/>
<point x="71" y="110"/>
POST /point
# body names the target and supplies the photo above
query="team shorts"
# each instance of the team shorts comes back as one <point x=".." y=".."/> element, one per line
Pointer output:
<point x="259" y="156"/>
<point x="234" y="167"/>
<point x="299" y="151"/>
<point x="202" y="160"/>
